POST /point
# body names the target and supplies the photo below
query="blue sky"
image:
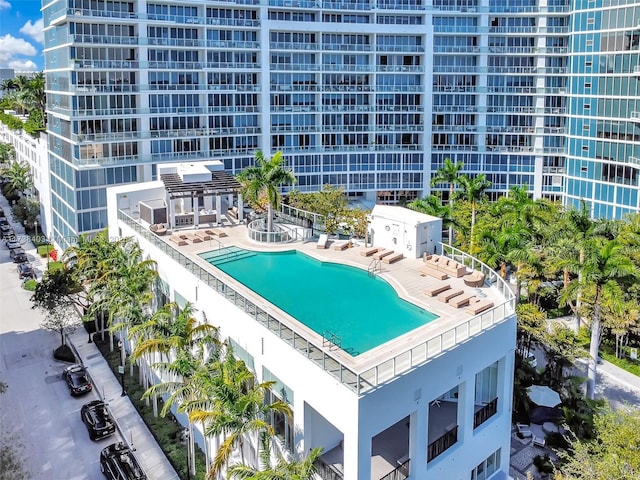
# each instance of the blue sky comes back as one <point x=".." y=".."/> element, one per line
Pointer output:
<point x="21" y="36"/>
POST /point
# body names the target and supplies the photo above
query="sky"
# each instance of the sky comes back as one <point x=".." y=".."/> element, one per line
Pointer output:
<point x="21" y="35"/>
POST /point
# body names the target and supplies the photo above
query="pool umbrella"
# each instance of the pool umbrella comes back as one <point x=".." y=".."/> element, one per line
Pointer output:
<point x="544" y="396"/>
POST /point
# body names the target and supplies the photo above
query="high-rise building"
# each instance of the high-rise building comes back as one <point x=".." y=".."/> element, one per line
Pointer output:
<point x="371" y="95"/>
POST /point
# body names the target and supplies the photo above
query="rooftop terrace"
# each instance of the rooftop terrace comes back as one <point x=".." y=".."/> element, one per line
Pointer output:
<point x="378" y="365"/>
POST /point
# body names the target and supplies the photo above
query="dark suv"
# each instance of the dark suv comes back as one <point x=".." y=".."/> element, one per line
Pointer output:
<point x="25" y="271"/>
<point x="77" y="380"/>
<point x="18" y="255"/>
<point x="117" y="462"/>
<point x="98" y="420"/>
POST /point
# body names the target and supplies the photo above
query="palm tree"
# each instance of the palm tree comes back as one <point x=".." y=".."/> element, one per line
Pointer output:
<point x="448" y="173"/>
<point x="297" y="469"/>
<point x="7" y="154"/>
<point x="261" y="181"/>
<point x="239" y="411"/>
<point x="606" y="268"/>
<point x="473" y="189"/>
<point x="432" y="205"/>
<point x="18" y="176"/>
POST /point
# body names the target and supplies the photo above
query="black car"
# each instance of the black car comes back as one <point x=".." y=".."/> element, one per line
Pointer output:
<point x="117" y="462"/>
<point x="25" y="271"/>
<point x="8" y="234"/>
<point x="4" y="222"/>
<point x="18" y="255"/>
<point x="77" y="380"/>
<point x="98" y="420"/>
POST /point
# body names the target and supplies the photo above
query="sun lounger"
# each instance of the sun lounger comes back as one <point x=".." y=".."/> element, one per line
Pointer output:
<point x="393" y="258"/>
<point x="449" y="294"/>
<point x="461" y="300"/>
<point x="368" y="251"/>
<point x="433" y="272"/>
<point x="215" y="231"/>
<point x="437" y="289"/>
<point x="479" y="307"/>
<point x="379" y="255"/>
<point x="181" y="242"/>
<point x="340" y="245"/>
<point x="192" y="238"/>
<point x="203" y="236"/>
<point x="323" y="240"/>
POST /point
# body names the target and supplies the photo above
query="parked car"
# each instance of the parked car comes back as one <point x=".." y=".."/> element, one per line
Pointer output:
<point x="12" y="243"/>
<point x="18" y="255"/>
<point x="4" y="226"/>
<point x="8" y="234"/>
<point x="77" y="380"/>
<point x="26" y="271"/>
<point x="98" y="420"/>
<point x="4" y="222"/>
<point x="117" y="462"/>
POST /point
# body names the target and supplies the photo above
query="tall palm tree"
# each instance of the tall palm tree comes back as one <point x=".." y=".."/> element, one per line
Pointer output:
<point x="239" y="411"/>
<point x="260" y="182"/>
<point x="473" y="190"/>
<point x="605" y="269"/>
<point x="296" y="469"/>
<point x="448" y="173"/>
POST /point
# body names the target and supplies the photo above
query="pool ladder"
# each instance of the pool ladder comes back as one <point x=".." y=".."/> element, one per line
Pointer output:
<point x="374" y="267"/>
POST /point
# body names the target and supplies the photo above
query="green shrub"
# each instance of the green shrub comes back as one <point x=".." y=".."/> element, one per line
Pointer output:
<point x="44" y="249"/>
<point x="30" y="285"/>
<point x="166" y="430"/>
<point x="53" y="266"/>
<point x="64" y="353"/>
<point x="543" y="463"/>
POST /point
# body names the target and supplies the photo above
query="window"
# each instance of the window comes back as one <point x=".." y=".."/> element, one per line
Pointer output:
<point x="487" y="467"/>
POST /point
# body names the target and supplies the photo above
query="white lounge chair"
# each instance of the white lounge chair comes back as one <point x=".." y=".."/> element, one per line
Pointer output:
<point x="539" y="441"/>
<point x="323" y="240"/>
<point x="524" y="430"/>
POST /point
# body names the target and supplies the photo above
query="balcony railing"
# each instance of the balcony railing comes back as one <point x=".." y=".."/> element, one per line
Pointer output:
<point x="485" y="413"/>
<point x="359" y="382"/>
<point x="401" y="472"/>
<point x="441" y="444"/>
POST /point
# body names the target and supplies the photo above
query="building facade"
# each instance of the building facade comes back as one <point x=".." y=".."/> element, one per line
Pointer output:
<point x="370" y="95"/>
<point x="33" y="152"/>
<point x="431" y="403"/>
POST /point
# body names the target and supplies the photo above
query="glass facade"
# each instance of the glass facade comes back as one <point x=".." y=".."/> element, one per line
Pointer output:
<point x="371" y="95"/>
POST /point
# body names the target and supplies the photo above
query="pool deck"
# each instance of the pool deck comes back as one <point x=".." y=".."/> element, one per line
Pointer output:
<point x="403" y="275"/>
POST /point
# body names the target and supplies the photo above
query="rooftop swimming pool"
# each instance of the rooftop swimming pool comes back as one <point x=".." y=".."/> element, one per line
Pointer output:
<point x="356" y="311"/>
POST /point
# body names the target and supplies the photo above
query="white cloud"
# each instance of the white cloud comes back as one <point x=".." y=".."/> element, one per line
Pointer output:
<point x="4" y="5"/>
<point x="23" y="65"/>
<point x="12" y="47"/>
<point x="34" y="30"/>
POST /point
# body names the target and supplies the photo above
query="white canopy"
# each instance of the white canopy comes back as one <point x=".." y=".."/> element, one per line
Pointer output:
<point x="544" y="396"/>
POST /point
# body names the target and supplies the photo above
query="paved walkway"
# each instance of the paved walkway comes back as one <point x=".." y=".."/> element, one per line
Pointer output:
<point x="131" y="426"/>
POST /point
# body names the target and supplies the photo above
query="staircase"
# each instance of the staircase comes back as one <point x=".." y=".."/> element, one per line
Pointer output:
<point x="226" y="254"/>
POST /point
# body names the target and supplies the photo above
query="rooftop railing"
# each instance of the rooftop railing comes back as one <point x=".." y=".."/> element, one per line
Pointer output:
<point x="371" y="378"/>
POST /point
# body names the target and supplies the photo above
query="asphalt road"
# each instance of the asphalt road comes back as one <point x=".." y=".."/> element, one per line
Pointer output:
<point x="36" y="411"/>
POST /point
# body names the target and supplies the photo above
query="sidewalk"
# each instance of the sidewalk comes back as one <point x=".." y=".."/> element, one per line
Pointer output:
<point x="130" y="425"/>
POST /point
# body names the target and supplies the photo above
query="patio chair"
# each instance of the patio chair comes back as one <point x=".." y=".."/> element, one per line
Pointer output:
<point x="539" y="441"/>
<point x="323" y="240"/>
<point x="524" y="430"/>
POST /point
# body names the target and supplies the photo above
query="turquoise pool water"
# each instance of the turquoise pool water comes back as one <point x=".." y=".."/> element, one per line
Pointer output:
<point x="361" y="311"/>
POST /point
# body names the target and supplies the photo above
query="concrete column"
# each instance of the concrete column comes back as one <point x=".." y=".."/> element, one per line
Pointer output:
<point x="172" y="212"/>
<point x="196" y="212"/>
<point x="240" y="209"/>
<point x="219" y="209"/>
<point x="466" y="402"/>
<point x="418" y="440"/>
<point x="357" y="455"/>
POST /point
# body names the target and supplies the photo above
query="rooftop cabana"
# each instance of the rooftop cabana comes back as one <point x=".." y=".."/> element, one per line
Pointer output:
<point x="191" y="189"/>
